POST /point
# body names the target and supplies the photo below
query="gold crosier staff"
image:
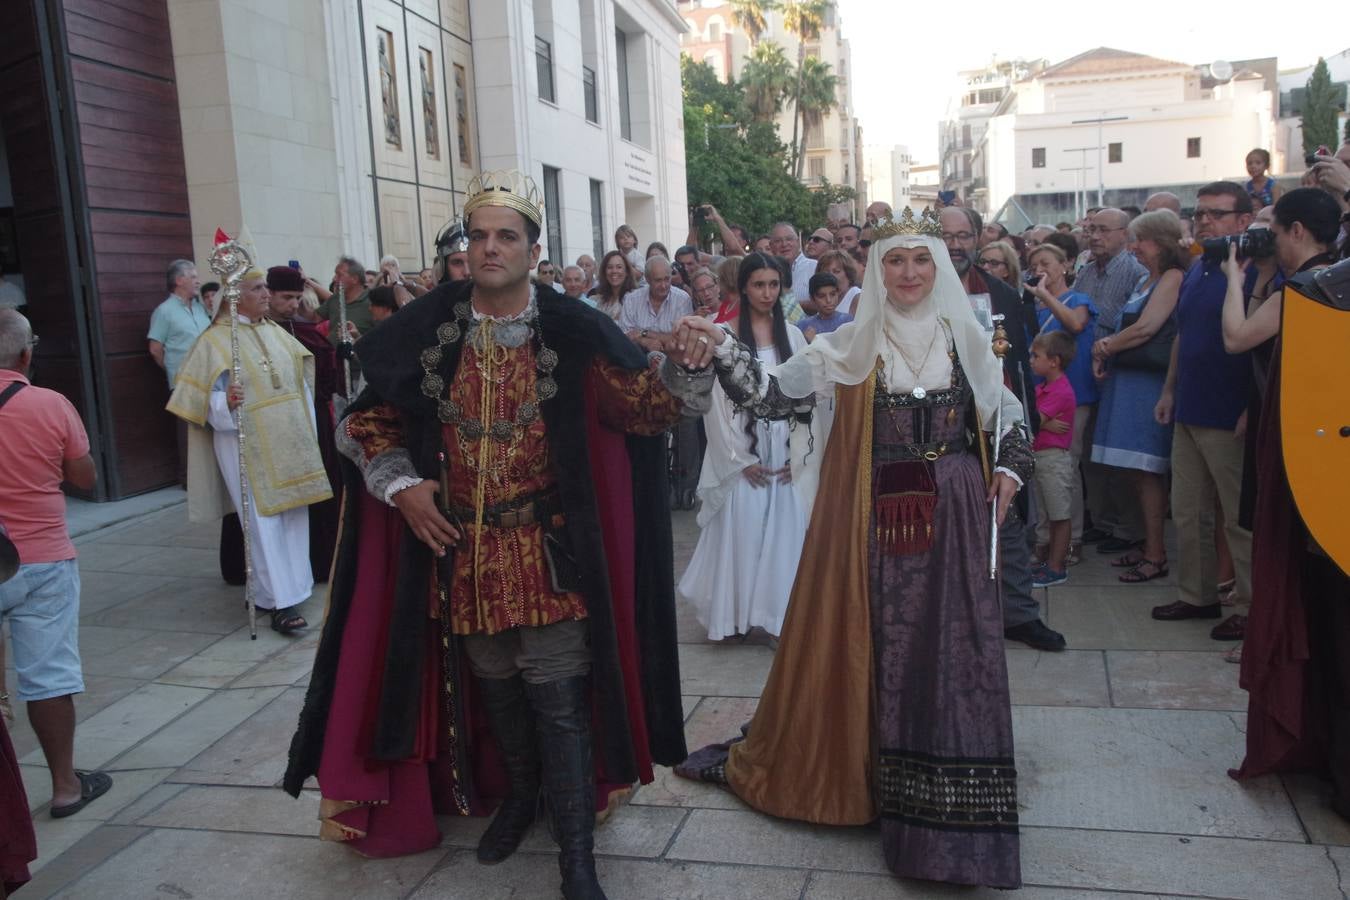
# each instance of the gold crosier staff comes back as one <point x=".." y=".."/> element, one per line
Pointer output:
<point x="229" y="261"/>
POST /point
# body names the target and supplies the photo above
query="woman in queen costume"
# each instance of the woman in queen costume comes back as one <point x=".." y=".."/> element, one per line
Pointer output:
<point x="918" y="731"/>
<point x="752" y="518"/>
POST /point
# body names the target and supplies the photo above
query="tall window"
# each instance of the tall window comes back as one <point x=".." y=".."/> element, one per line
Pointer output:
<point x="1192" y="148"/>
<point x="1038" y="157"/>
<point x="625" y="109"/>
<point x="543" y="58"/>
<point x="1115" y="153"/>
<point x="597" y="220"/>
<point x="714" y="31"/>
<point x="815" y="168"/>
<point x="552" y="214"/>
<point x="588" y="88"/>
<point x="462" y="115"/>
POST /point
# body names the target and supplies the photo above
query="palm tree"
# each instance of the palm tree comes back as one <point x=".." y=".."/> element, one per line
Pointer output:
<point x="751" y="16"/>
<point x="805" y="19"/>
<point x="767" y="78"/>
<point x="817" y="94"/>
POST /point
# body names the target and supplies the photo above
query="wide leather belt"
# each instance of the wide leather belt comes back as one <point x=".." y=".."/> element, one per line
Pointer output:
<point x="930" y="451"/>
<point x="539" y="508"/>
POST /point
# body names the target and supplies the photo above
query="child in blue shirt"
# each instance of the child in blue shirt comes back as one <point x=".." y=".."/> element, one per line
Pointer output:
<point x="825" y="295"/>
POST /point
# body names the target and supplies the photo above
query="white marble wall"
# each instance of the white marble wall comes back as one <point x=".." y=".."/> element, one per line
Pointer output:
<point x="284" y="126"/>
<point x="255" y="100"/>
<point x="643" y="180"/>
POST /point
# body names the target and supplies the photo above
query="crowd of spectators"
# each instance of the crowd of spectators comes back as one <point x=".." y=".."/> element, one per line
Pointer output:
<point x="1141" y="349"/>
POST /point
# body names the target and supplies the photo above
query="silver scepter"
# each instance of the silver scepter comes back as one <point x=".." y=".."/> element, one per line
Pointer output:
<point x="230" y="261"/>
<point x="343" y="338"/>
<point x="1000" y="347"/>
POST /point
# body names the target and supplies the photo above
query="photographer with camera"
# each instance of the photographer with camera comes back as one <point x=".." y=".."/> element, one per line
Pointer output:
<point x="1205" y="395"/>
<point x="733" y="237"/>
<point x="1305" y="228"/>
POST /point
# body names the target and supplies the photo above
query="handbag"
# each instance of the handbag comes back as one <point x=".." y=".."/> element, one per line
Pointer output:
<point x="1154" y="356"/>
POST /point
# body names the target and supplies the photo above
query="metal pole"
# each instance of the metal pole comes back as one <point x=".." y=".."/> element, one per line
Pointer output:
<point x="1101" y="176"/>
<point x="1000" y="347"/>
<point x="1103" y="118"/>
<point x="230" y="261"/>
<point x="343" y="338"/>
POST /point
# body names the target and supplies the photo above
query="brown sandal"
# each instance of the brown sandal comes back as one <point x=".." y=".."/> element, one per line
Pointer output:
<point x="1137" y="575"/>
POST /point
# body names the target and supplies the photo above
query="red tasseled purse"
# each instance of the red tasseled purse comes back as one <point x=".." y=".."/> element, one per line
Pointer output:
<point x="906" y="496"/>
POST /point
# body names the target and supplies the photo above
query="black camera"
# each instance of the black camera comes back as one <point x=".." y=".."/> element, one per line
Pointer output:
<point x="1255" y="243"/>
<point x="700" y="215"/>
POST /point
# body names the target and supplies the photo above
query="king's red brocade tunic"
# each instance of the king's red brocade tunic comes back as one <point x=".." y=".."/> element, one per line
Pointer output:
<point x="508" y="584"/>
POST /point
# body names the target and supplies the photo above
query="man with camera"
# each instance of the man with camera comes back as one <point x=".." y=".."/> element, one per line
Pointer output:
<point x="733" y="237"/>
<point x="1205" y="396"/>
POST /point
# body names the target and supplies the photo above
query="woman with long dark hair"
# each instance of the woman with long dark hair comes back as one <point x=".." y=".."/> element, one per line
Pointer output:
<point x="752" y="518"/>
<point x="616" y="279"/>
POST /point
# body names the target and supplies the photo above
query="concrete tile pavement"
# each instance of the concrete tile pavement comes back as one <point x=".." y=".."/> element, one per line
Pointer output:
<point x="1123" y="746"/>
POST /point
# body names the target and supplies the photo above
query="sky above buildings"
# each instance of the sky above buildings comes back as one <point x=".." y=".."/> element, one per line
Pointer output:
<point x="906" y="54"/>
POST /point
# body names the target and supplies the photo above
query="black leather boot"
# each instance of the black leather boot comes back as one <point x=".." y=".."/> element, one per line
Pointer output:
<point x="562" y="711"/>
<point x="512" y="725"/>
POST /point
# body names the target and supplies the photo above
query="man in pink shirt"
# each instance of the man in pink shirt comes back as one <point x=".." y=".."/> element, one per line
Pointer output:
<point x="42" y="443"/>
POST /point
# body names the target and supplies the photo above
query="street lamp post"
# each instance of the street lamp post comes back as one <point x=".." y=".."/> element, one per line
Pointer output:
<point x="1099" y="121"/>
<point x="1080" y="195"/>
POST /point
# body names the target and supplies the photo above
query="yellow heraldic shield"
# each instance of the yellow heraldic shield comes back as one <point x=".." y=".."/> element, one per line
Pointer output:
<point x="1315" y="405"/>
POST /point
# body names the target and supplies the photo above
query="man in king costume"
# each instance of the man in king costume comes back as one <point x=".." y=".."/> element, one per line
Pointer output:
<point x="502" y="598"/>
<point x="285" y="471"/>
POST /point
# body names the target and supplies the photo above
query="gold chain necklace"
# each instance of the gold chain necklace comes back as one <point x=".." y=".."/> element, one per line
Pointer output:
<point x="266" y="361"/>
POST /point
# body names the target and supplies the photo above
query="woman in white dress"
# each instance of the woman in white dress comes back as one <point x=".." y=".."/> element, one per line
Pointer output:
<point x="752" y="517"/>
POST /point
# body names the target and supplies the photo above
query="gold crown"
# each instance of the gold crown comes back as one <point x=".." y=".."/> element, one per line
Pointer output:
<point x="924" y="225"/>
<point x="509" y="188"/>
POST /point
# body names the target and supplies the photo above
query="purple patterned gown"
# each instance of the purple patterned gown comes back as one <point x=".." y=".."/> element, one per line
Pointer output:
<point x="946" y="781"/>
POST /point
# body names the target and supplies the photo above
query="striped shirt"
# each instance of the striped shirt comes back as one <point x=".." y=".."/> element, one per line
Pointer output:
<point x="638" y="313"/>
<point x="1109" y="287"/>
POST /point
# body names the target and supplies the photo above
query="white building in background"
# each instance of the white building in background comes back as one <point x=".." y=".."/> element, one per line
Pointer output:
<point x="1127" y="123"/>
<point x="923" y="186"/>
<point x="354" y="126"/>
<point x="834" y="150"/>
<point x="878" y="174"/>
<point x="974" y="100"/>
<point x="886" y="174"/>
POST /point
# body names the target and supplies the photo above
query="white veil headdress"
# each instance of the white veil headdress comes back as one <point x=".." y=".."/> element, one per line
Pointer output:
<point x="849" y="355"/>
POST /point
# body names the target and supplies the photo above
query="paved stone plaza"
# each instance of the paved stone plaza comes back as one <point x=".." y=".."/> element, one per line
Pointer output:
<point x="1123" y="747"/>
